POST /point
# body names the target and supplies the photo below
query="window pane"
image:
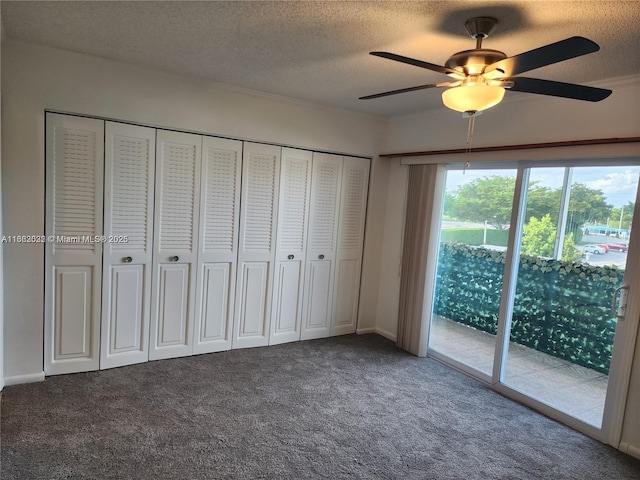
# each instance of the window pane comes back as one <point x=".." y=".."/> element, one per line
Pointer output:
<point x="473" y="238"/>
<point x="572" y="257"/>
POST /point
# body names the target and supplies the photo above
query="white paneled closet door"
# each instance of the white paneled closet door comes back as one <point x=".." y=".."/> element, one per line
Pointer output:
<point x="128" y="230"/>
<point x="353" y="207"/>
<point x="218" y="245"/>
<point x="175" y="249"/>
<point x="73" y="260"/>
<point x="293" y="210"/>
<point x="256" y="255"/>
<point x="321" y="246"/>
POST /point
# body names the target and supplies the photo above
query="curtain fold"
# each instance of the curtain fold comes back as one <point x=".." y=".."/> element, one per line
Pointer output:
<point x="418" y="266"/>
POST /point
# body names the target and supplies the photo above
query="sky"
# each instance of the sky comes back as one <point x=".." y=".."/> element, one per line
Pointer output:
<point x="618" y="184"/>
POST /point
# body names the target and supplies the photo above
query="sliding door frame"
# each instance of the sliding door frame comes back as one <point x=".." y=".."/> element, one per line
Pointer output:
<point x="510" y="276"/>
<point x="626" y="329"/>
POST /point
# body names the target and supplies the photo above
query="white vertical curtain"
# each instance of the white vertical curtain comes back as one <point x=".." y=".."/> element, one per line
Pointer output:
<point x="419" y="256"/>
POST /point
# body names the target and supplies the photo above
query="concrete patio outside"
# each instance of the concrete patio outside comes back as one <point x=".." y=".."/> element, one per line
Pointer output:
<point x="573" y="389"/>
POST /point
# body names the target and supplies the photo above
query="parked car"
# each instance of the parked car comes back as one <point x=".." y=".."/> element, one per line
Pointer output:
<point x="619" y="247"/>
<point x="597" y="249"/>
<point x="605" y="246"/>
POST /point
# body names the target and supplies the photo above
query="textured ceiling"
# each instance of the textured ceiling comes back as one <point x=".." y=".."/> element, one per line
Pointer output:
<point x="318" y="51"/>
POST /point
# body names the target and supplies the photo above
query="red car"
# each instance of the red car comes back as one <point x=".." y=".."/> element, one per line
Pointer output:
<point x="620" y="247"/>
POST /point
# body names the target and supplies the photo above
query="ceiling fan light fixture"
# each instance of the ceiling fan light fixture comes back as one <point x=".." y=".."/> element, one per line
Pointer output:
<point x="472" y="97"/>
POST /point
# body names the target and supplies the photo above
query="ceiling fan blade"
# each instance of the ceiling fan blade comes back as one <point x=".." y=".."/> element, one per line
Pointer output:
<point x="557" y="89"/>
<point x="410" y="89"/>
<point x="417" y="63"/>
<point x="540" y="57"/>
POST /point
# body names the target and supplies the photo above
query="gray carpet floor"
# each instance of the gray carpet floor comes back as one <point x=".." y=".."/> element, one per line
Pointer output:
<point x="345" y="407"/>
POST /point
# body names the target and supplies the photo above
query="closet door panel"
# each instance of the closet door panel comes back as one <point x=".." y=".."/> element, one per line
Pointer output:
<point x="126" y="302"/>
<point x="321" y="246"/>
<point x="128" y="250"/>
<point x="255" y="277"/>
<point x="175" y="251"/>
<point x="73" y="312"/>
<point x="293" y="212"/>
<point x="355" y="183"/>
<point x="215" y="308"/>
<point x="258" y="217"/>
<point x="218" y="246"/>
<point x="73" y="261"/>
<point x="319" y="298"/>
<point x="287" y="302"/>
<point x="347" y="292"/>
<point x="173" y="300"/>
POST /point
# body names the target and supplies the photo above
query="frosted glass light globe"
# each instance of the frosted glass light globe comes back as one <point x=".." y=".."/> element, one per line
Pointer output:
<point x="472" y="97"/>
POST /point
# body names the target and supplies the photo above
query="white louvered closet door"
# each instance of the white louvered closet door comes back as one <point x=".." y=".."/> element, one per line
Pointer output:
<point x="258" y="217"/>
<point x="128" y="230"/>
<point x="321" y="246"/>
<point x="175" y="249"/>
<point x="353" y="207"/>
<point x="293" y="211"/>
<point x="73" y="262"/>
<point x="218" y="245"/>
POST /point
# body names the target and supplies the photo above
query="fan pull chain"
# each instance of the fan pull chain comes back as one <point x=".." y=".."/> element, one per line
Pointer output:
<point x="472" y="123"/>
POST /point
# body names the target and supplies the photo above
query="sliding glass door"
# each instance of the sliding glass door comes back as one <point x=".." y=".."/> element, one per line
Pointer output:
<point x="529" y="264"/>
<point x="473" y="241"/>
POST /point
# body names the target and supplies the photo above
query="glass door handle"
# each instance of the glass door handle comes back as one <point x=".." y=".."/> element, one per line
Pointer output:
<point x="620" y="309"/>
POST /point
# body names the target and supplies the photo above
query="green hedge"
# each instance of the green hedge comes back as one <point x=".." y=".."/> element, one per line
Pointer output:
<point x="474" y="236"/>
<point x="561" y="308"/>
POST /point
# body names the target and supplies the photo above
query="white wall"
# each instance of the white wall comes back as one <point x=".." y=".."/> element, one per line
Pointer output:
<point x="35" y="78"/>
<point x="524" y="118"/>
<point x="373" y="245"/>
<point x="630" y="441"/>
<point x="391" y="259"/>
<point x="1" y="231"/>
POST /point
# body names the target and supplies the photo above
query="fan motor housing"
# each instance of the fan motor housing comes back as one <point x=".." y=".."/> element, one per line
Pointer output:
<point x="473" y="62"/>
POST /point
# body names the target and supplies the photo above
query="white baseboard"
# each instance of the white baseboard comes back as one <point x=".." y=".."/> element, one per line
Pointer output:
<point x="384" y="333"/>
<point x="18" y="379"/>
<point x="364" y="331"/>
<point x="379" y="331"/>
<point x="630" y="449"/>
